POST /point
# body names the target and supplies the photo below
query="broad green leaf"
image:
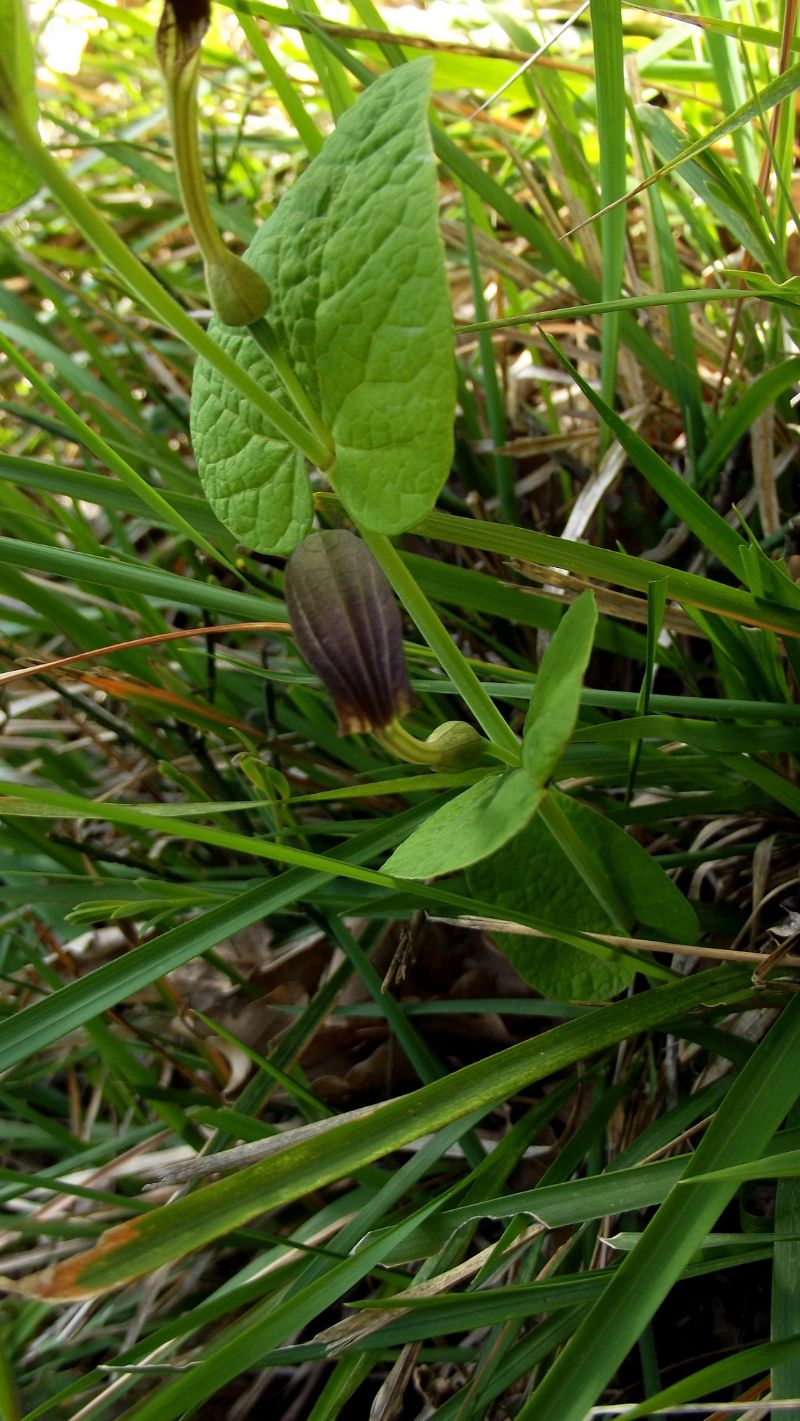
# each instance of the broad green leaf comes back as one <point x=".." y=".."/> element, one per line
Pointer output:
<point x="555" y="699"/>
<point x="18" y="181"/>
<point x="360" y="307"/>
<point x="467" y="828"/>
<point x="255" y="482"/>
<point x="141" y="1244"/>
<point x="533" y="870"/>
<point x="519" y="216"/>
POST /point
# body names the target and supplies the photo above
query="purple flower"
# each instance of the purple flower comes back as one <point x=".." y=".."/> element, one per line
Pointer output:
<point x="180" y="32"/>
<point x="347" y="625"/>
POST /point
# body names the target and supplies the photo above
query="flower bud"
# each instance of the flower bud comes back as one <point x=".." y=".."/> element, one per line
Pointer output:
<point x="237" y="293"/>
<point x="347" y="625"/>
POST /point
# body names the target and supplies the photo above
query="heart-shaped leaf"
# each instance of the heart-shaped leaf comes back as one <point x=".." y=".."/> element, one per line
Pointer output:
<point x="360" y="307"/>
<point x="534" y="875"/>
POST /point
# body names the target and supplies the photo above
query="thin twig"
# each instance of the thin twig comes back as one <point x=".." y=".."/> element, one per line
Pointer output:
<point x="20" y="672"/>
<point x="634" y="944"/>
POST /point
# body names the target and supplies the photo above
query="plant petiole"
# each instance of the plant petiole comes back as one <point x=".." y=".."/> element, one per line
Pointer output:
<point x="266" y="340"/>
<point x="162" y="305"/>
<point x="504" y="743"/>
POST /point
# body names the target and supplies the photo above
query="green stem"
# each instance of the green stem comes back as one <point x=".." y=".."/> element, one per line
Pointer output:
<point x="405" y="746"/>
<point x="455" y="745"/>
<point x="504" y="742"/>
<point x="150" y="291"/>
<point x="182" y="108"/>
<point x="582" y="859"/>
<point x="266" y="339"/>
<point x="238" y="293"/>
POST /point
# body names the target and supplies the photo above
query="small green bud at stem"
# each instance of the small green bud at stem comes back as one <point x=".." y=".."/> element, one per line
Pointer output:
<point x="458" y="745"/>
<point x="451" y="746"/>
<point x="237" y="293"/>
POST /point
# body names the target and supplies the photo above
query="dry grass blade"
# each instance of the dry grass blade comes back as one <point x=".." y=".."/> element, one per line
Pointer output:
<point x="638" y="944"/>
<point x="613" y="604"/>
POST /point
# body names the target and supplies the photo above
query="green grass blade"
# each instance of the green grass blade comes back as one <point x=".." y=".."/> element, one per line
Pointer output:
<point x="149" y="1241"/>
<point x="749" y="404"/>
<point x="706" y="524"/>
<point x="610" y="98"/>
<point x="304" y="125"/>
<point x="105" y="453"/>
<point x="760" y="1098"/>
<point x="785" y="1298"/>
<point x="503" y="465"/>
<point x="689" y="389"/>
<point x="246" y="1340"/>
<point x="620" y="568"/>
<point x="721" y="1375"/>
<point x="775" y="92"/>
<point x="97" y="571"/>
<point x="728" y="74"/>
